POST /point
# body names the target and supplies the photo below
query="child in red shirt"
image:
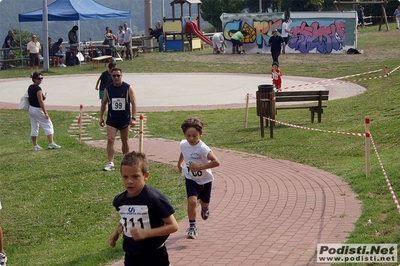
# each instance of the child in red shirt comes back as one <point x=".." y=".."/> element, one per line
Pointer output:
<point x="276" y="76"/>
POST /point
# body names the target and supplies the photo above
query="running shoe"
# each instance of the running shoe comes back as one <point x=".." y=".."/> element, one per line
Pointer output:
<point x="192" y="233"/>
<point x="109" y="167"/>
<point x="54" y="146"/>
<point x="36" y="148"/>
<point x="3" y="259"/>
<point x="205" y="214"/>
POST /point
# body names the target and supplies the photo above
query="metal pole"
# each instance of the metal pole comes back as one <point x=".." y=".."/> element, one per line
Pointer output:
<point x="45" y="37"/>
<point x="147" y="20"/>
<point x="260" y="6"/>
<point x="162" y="10"/>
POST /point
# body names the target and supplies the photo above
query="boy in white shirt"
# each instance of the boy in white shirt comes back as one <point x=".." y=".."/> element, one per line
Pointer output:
<point x="195" y="163"/>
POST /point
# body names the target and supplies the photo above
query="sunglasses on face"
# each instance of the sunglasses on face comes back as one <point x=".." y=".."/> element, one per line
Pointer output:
<point x="40" y="78"/>
<point x="116" y="76"/>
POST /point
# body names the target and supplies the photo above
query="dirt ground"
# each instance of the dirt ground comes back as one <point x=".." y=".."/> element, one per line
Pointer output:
<point x="367" y="56"/>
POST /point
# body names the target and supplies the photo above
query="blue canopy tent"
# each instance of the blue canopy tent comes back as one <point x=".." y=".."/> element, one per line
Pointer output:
<point x="73" y="10"/>
<point x="70" y="10"/>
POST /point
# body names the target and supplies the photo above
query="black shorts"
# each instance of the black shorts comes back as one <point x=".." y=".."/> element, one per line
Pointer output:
<point x="118" y="123"/>
<point x="203" y="192"/>
<point x="157" y="257"/>
<point x="236" y="42"/>
<point x="34" y="60"/>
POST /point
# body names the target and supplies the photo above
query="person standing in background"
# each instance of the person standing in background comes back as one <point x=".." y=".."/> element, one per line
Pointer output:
<point x="160" y="30"/>
<point x="104" y="80"/>
<point x="33" y="49"/>
<point x="286" y="31"/>
<point x="8" y="43"/>
<point x="275" y="42"/>
<point x="128" y="41"/>
<point x="397" y="15"/>
<point x="38" y="114"/>
<point x="360" y="15"/>
<point x="107" y="37"/>
<point x="72" y="36"/>
<point x="120" y="37"/>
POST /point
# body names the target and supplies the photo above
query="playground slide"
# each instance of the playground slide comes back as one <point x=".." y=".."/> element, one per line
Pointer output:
<point x="191" y="27"/>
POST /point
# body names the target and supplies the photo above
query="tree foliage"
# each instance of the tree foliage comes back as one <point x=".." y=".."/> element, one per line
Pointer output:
<point x="211" y="10"/>
<point x="253" y="6"/>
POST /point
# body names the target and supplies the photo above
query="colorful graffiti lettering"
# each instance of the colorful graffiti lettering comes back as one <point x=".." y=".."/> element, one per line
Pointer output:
<point x="306" y="38"/>
<point x="257" y="33"/>
<point x="316" y="33"/>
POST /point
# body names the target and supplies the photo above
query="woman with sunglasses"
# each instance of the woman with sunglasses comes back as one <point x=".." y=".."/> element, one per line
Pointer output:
<point x="38" y="114"/>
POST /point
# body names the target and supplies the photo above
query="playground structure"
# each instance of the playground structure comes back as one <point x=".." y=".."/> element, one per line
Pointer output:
<point x="182" y="30"/>
<point x="354" y="3"/>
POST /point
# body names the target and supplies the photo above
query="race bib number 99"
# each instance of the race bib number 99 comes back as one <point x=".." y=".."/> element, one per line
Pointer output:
<point x="134" y="216"/>
<point x="118" y="104"/>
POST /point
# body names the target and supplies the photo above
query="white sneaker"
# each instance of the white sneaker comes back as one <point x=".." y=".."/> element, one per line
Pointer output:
<point x="54" y="146"/>
<point x="62" y="65"/>
<point x="36" y="148"/>
<point x="3" y="259"/>
<point x="109" y="167"/>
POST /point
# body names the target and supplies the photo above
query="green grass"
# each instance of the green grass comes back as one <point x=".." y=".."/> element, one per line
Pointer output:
<point x="57" y="204"/>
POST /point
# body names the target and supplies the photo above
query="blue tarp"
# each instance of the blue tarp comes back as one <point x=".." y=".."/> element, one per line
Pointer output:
<point x="74" y="10"/>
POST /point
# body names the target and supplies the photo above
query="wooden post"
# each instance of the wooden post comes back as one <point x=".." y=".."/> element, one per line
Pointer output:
<point x="80" y="122"/>
<point x="367" y="147"/>
<point x="387" y="77"/>
<point x="141" y="133"/>
<point x="247" y="111"/>
<point x="272" y="111"/>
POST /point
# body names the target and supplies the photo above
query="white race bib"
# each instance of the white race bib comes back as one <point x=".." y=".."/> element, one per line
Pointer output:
<point x="118" y="104"/>
<point x="134" y="215"/>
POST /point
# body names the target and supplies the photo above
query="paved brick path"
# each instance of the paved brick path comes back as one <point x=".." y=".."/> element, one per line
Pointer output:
<point x="263" y="211"/>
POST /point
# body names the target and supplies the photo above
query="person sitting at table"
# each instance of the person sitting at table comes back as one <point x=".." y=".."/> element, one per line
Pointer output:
<point x="56" y="50"/>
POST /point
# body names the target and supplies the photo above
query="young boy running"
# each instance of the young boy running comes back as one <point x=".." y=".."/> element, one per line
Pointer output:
<point x="147" y="217"/>
<point x="195" y="163"/>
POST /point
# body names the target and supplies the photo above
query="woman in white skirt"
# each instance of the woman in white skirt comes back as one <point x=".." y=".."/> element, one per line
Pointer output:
<point x="38" y="114"/>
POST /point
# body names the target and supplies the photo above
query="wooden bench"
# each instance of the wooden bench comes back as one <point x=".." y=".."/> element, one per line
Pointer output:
<point x="106" y="58"/>
<point x="294" y="98"/>
<point x="314" y="98"/>
<point x="137" y="47"/>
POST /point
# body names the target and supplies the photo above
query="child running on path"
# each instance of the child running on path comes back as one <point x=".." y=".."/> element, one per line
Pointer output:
<point x="276" y="76"/>
<point x="147" y="217"/>
<point x="195" y="163"/>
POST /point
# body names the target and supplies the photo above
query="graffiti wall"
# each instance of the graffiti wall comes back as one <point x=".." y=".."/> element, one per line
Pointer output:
<point x="312" y="32"/>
